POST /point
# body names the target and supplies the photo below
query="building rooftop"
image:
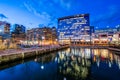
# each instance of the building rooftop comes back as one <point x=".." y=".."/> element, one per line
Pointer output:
<point x="72" y="16"/>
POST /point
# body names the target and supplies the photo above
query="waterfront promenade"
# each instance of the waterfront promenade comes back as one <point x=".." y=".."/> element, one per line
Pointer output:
<point x="18" y="54"/>
<point x="21" y="50"/>
<point x="22" y="53"/>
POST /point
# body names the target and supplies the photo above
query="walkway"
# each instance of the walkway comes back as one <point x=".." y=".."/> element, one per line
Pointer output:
<point x="23" y="50"/>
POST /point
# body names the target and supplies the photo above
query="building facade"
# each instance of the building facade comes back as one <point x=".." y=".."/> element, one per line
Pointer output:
<point x="18" y="33"/>
<point x="74" y="29"/>
<point x="17" y="28"/>
<point x="104" y="36"/>
<point x="41" y="36"/>
<point x="4" y="30"/>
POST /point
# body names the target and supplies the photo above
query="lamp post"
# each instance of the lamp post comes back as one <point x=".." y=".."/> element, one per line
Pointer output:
<point x="119" y="38"/>
<point x="43" y="38"/>
<point x="70" y="40"/>
<point x="56" y="41"/>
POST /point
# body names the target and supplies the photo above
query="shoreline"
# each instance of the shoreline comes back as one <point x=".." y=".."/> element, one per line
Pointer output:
<point x="114" y="49"/>
<point x="11" y="55"/>
<point x="20" y="54"/>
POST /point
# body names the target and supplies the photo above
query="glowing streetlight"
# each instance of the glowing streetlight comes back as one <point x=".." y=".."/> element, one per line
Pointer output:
<point x="43" y="38"/>
<point x="0" y="31"/>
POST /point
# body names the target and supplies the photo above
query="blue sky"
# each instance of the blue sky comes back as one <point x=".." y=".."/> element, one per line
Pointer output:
<point x="33" y="13"/>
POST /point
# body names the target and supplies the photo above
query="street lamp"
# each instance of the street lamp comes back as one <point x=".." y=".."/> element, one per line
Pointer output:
<point x="43" y="38"/>
<point x="56" y="41"/>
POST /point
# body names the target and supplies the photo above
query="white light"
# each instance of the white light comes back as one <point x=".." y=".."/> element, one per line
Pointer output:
<point x="98" y="63"/>
<point x="42" y="67"/>
<point x="0" y="30"/>
<point x="109" y="64"/>
<point x="104" y="39"/>
<point x="87" y="40"/>
<point x="55" y="59"/>
<point x="43" y="37"/>
<point x="35" y="60"/>
<point x="64" y="78"/>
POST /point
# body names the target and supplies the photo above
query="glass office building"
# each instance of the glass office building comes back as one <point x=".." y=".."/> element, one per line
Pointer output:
<point x="74" y="28"/>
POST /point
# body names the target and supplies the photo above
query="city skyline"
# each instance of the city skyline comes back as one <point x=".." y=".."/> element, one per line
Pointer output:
<point x="33" y="13"/>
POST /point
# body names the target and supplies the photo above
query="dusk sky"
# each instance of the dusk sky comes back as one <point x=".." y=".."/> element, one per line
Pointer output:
<point x="32" y="13"/>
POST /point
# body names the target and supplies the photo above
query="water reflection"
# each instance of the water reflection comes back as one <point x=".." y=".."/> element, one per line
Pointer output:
<point x="76" y="63"/>
<point x="69" y="64"/>
<point x="40" y="68"/>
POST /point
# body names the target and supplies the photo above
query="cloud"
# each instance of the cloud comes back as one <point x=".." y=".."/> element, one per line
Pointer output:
<point x="66" y="4"/>
<point x="2" y="16"/>
<point x="44" y="16"/>
<point x="109" y="17"/>
<point x="48" y="11"/>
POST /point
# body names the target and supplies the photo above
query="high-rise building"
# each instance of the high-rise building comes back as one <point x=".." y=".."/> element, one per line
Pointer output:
<point x="18" y="29"/>
<point x="54" y="34"/>
<point x="74" y="28"/>
<point x="4" y="30"/>
<point x="7" y="28"/>
<point x="18" y="32"/>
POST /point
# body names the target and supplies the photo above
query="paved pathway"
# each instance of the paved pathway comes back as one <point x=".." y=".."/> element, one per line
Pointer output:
<point x="14" y="51"/>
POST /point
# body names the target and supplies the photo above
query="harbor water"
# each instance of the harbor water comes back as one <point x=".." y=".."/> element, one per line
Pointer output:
<point x="68" y="64"/>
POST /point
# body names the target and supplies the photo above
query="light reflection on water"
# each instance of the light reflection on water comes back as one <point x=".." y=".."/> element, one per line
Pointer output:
<point x="79" y="63"/>
<point x="69" y="64"/>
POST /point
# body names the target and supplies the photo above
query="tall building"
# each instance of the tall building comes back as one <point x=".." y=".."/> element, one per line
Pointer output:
<point x="18" y="29"/>
<point x="4" y="30"/>
<point x="54" y="34"/>
<point x="18" y="33"/>
<point x="74" y="28"/>
<point x="7" y="28"/>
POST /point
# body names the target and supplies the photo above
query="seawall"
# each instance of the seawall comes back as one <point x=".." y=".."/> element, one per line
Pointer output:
<point x="11" y="57"/>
